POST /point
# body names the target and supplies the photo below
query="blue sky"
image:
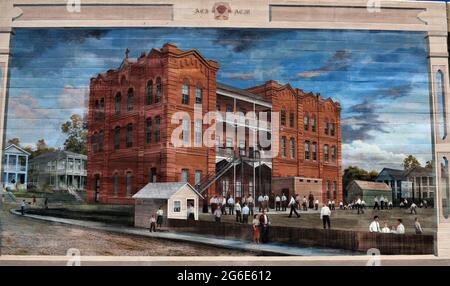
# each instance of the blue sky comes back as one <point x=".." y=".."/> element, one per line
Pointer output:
<point x="380" y="78"/>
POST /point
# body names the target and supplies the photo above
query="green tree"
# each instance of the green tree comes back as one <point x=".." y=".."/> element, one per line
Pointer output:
<point x="429" y="165"/>
<point x="41" y="148"/>
<point x="355" y="173"/>
<point x="76" y="132"/>
<point x="410" y="162"/>
<point x="15" y="141"/>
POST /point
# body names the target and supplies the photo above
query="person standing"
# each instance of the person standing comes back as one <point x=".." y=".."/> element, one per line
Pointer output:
<point x="400" y="227"/>
<point x="305" y="204"/>
<point x="325" y="214"/>
<point x="266" y="202"/>
<point x="329" y="204"/>
<point x="211" y="203"/>
<point x="22" y="207"/>
<point x="237" y="208"/>
<point x="256" y="229"/>
<point x="386" y="228"/>
<point x="417" y="226"/>
<point x="283" y="202"/>
<point x="245" y="214"/>
<point x="311" y="201"/>
<point x="413" y="208"/>
<point x="260" y="202"/>
<point x="333" y="205"/>
<point x="153" y="224"/>
<point x="251" y="204"/>
<point x="293" y="206"/>
<point x="376" y="205"/>
<point x="230" y="206"/>
<point x="191" y="213"/>
<point x="375" y="225"/>
<point x="382" y="201"/>
<point x="223" y="204"/>
<point x="159" y="217"/>
<point x="359" y="206"/>
<point x="390" y="205"/>
<point x="341" y="205"/>
<point x="277" y="203"/>
<point x="264" y="225"/>
<point x="217" y="214"/>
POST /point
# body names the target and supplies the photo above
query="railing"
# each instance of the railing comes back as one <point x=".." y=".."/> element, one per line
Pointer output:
<point x="214" y="176"/>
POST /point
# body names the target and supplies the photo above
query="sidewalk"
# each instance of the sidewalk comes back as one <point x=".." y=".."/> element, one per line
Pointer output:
<point x="269" y="248"/>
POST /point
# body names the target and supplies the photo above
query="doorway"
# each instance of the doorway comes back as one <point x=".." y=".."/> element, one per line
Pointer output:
<point x="97" y="188"/>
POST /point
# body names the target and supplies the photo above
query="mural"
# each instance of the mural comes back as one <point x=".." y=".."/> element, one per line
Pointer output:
<point x="353" y="111"/>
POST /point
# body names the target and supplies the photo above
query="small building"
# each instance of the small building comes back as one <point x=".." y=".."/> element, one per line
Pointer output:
<point x="15" y="167"/>
<point x="394" y="179"/>
<point x="58" y="171"/>
<point x="173" y="198"/>
<point x="367" y="191"/>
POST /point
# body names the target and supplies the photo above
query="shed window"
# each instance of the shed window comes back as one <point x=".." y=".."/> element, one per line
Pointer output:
<point x="176" y="206"/>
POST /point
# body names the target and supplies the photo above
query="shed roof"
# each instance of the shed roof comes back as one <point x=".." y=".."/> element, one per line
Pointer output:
<point x="162" y="190"/>
<point x="367" y="185"/>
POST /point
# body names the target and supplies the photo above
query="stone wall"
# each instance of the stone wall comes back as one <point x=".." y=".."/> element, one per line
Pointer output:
<point x="388" y="244"/>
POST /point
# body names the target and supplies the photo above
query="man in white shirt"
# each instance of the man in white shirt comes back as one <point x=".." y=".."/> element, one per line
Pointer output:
<point x="237" y="208"/>
<point x="191" y="212"/>
<point x="341" y="205"/>
<point x="266" y="202"/>
<point x="283" y="202"/>
<point x="230" y="205"/>
<point x="382" y="202"/>
<point x="264" y="225"/>
<point x="376" y="205"/>
<point x="245" y="214"/>
<point x="260" y="202"/>
<point x="305" y="204"/>
<point x="333" y="205"/>
<point x="251" y="204"/>
<point x="375" y="225"/>
<point x="277" y="203"/>
<point x="400" y="227"/>
<point x="325" y="214"/>
<point x="316" y="205"/>
<point x="329" y="204"/>
<point x="293" y="205"/>
<point x="413" y="208"/>
<point x="359" y="206"/>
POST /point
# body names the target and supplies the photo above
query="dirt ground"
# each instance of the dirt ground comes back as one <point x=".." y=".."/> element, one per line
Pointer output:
<point x="349" y="219"/>
<point x="25" y="236"/>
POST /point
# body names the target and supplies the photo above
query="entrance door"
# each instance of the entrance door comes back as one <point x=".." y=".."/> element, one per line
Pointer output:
<point x="97" y="188"/>
<point x="191" y="207"/>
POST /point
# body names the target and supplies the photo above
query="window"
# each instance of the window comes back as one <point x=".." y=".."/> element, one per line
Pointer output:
<point x="118" y="103"/>
<point x="325" y="153"/>
<point x="328" y="189"/>
<point x="291" y="119"/>
<point x="102" y="104"/>
<point x="333" y="153"/>
<point x="153" y="175"/>
<point x="70" y="160"/>
<point x="185" y="175"/>
<point x="157" y="128"/>
<point x="100" y="141"/>
<point x="185" y="94"/>
<point x="129" y="183"/>
<point x="238" y="193"/>
<point x="198" y="132"/>
<point x="158" y="90"/>
<point x="283" y="118"/>
<point x="225" y="186"/>
<point x="283" y="147"/>
<point x="335" y="190"/>
<point x="242" y="147"/>
<point x="94" y="140"/>
<point x="332" y="130"/>
<point x="129" y="136"/>
<point x="186" y="128"/>
<point x="442" y="104"/>
<point x="229" y="142"/>
<point x="130" y="99"/>
<point x="148" y="130"/>
<point x="306" y="122"/>
<point x="117" y="137"/>
<point x="96" y="110"/>
<point x="292" y="145"/>
<point x="116" y="184"/>
<point x="446" y="187"/>
<point x="326" y="126"/>
<point x="314" y="151"/>
<point x="176" y="206"/>
<point x="149" y="98"/>
<point x="313" y="123"/>
<point x="198" y="177"/>
<point x="198" y="95"/>
<point x="306" y="150"/>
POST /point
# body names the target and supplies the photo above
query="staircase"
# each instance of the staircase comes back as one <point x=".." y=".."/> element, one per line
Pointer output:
<point x="74" y="193"/>
<point x="212" y="177"/>
<point x="10" y="196"/>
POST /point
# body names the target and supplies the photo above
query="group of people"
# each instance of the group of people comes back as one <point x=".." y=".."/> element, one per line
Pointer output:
<point x="234" y="208"/>
<point x="228" y="206"/>
<point x="399" y="228"/>
<point x="156" y="220"/>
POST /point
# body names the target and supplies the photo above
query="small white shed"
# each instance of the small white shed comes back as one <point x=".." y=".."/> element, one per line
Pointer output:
<point x="174" y="199"/>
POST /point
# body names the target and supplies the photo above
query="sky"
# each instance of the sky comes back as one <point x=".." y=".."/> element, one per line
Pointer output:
<point x="380" y="78"/>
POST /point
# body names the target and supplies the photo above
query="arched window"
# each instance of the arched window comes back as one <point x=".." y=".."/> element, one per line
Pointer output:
<point x="327" y="126"/>
<point x="129" y="183"/>
<point x="314" y="151"/>
<point x="158" y="93"/>
<point x="100" y="141"/>
<point x="157" y="128"/>
<point x="148" y="130"/>
<point x="96" y="110"/>
<point x="326" y="153"/>
<point x="117" y="137"/>
<point x="130" y="99"/>
<point x="116" y="184"/>
<point x="292" y="145"/>
<point x="306" y="121"/>
<point x="291" y="119"/>
<point x="118" y="103"/>
<point x="198" y="95"/>
<point x="129" y="135"/>
<point x="442" y="104"/>
<point x="328" y="189"/>
<point x="283" y="118"/>
<point x="149" y="98"/>
<point x="283" y="146"/>
<point x="332" y="128"/>
<point x="306" y="150"/>
<point x="185" y="93"/>
<point x="313" y="123"/>
<point x="333" y="153"/>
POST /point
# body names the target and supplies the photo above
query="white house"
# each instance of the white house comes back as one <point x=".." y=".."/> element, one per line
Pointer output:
<point x="15" y="167"/>
<point x="175" y="199"/>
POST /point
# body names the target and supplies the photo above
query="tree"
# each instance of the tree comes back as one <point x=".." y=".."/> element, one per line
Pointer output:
<point x="410" y="162"/>
<point x="76" y="132"/>
<point x="429" y="165"/>
<point x="15" y="141"/>
<point x="41" y="148"/>
<point x="356" y="173"/>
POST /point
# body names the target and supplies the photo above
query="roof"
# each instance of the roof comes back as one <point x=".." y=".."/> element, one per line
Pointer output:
<point x="162" y="190"/>
<point x="239" y="91"/>
<point x="420" y="172"/>
<point x="367" y="185"/>
<point x="394" y="173"/>
<point x="58" y="154"/>
<point x="18" y="148"/>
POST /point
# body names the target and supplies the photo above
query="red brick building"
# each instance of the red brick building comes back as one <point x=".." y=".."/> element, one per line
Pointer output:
<point x="135" y="110"/>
